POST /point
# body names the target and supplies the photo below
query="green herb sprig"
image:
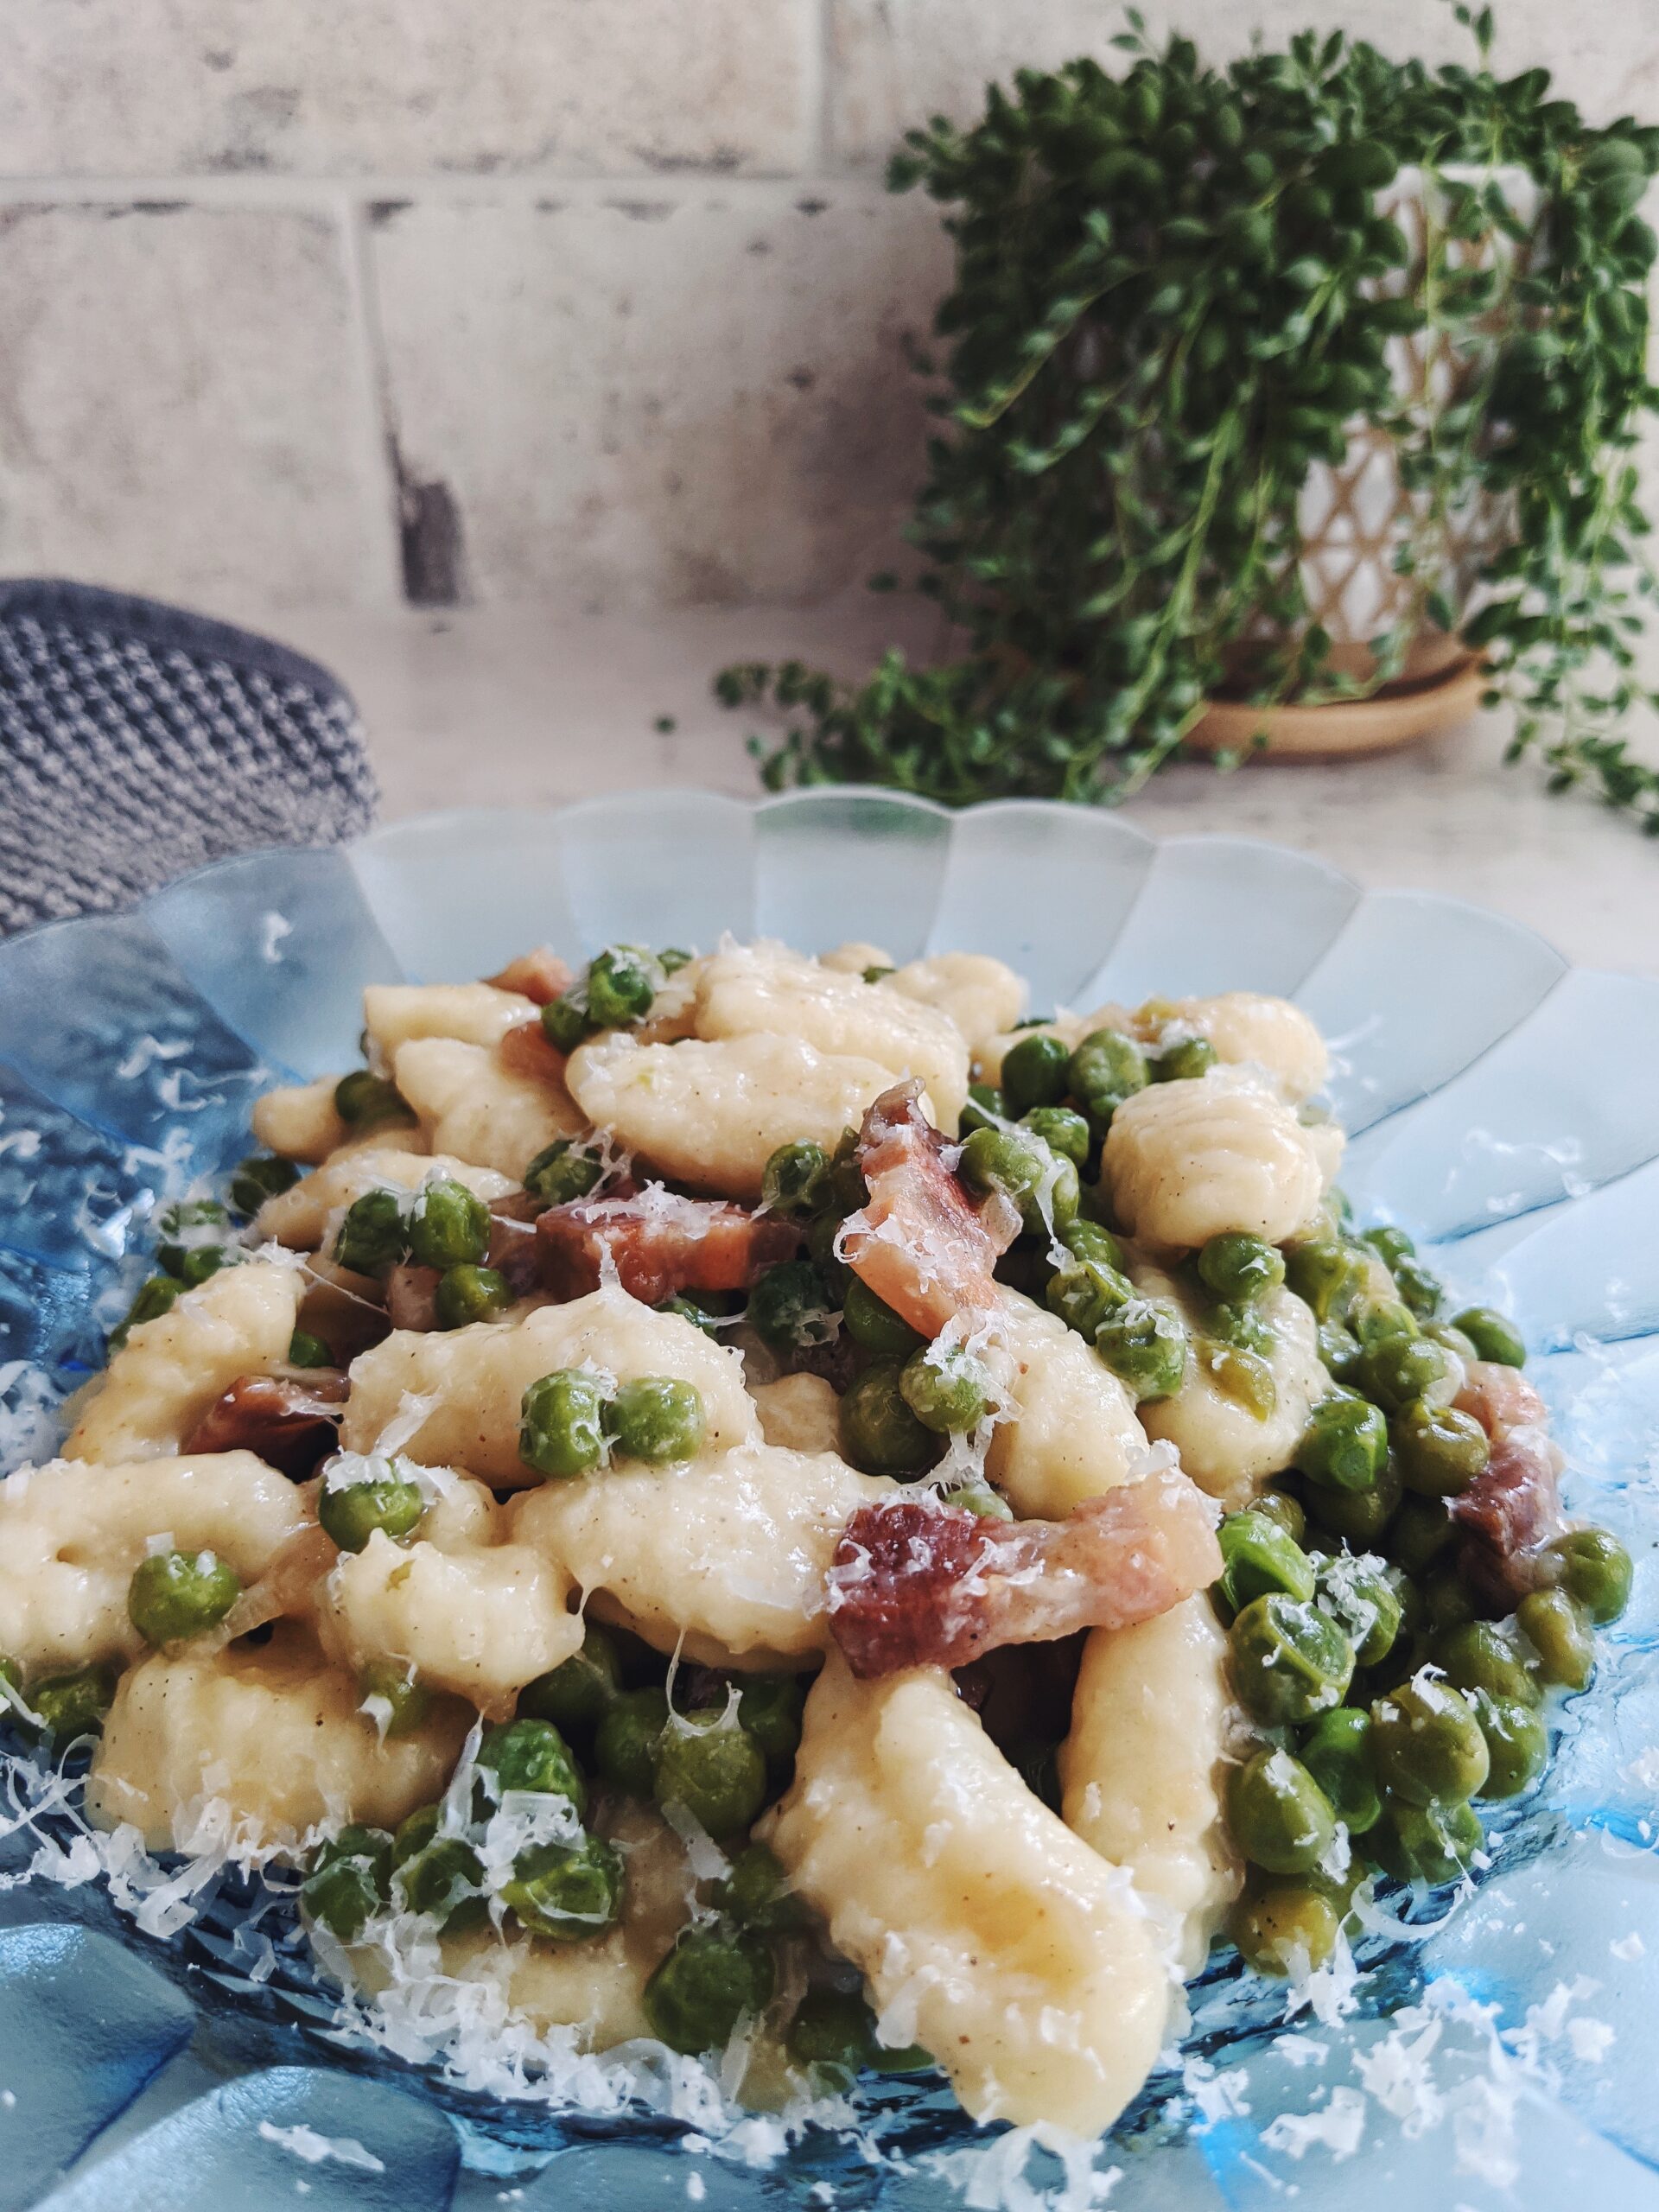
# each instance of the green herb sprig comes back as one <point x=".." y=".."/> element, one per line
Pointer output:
<point x="1174" y="294"/>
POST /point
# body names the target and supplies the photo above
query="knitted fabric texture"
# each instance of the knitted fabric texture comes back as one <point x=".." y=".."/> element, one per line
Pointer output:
<point x="138" y="742"/>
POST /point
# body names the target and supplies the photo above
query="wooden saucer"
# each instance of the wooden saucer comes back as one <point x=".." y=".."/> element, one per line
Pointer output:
<point x="1344" y="728"/>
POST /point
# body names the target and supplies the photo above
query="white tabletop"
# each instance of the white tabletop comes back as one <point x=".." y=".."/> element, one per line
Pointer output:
<point x="494" y="706"/>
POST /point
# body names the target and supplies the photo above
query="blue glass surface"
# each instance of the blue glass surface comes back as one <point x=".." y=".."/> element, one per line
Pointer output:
<point x="355" y="2146"/>
<point x="84" y="2024"/>
<point x="279" y="945"/>
<point x="1506" y="1113"/>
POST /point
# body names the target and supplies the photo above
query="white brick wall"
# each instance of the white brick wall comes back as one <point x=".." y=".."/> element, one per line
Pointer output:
<point x="593" y="302"/>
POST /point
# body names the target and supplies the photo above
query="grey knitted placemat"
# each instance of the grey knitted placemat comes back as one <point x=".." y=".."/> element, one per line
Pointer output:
<point x="138" y="742"/>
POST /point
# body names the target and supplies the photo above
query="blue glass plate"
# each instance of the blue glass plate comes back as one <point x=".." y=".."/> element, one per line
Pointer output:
<point x="1505" y="1110"/>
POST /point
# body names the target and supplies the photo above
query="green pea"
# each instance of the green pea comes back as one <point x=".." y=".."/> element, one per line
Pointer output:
<point x="978" y="1497"/>
<point x="1344" y="1445"/>
<point x="1433" y="1844"/>
<point x="1399" y="1370"/>
<point x="564" y="1021"/>
<point x="878" y="1432"/>
<point x="261" y="1176"/>
<point x="1085" y="1291"/>
<point x="1479" y="1655"/>
<point x="1239" y="1267"/>
<point x="1106" y="1069"/>
<point x="1446" y="1601"/>
<point x="577" y="1694"/>
<point x="831" y="2028"/>
<point x="1595" y="1568"/>
<point x="1279" y="1506"/>
<point x="307" y="1351"/>
<point x="1453" y="1340"/>
<point x="567" y="1892"/>
<point x="657" y="1418"/>
<point x="1243" y="1325"/>
<point x="446" y="1883"/>
<point x="1440" y="1450"/>
<point x="709" y="1765"/>
<point x="173" y="1596"/>
<point x="1426" y="1743"/>
<point x="1337" y="1752"/>
<point x="562" y="1172"/>
<point x="846" y="1190"/>
<point x="349" y="1881"/>
<point x="673" y="957"/>
<point x="1062" y="1130"/>
<point x="870" y="1321"/>
<point x="1364" y="1595"/>
<point x="948" y="1389"/>
<point x="1144" y="1343"/>
<point x="1258" y="1557"/>
<point x="205" y="1260"/>
<point x="374" y="1234"/>
<point x="757" y="1894"/>
<point x="1291" y="1661"/>
<point x="1284" y="1928"/>
<point x="1016" y="1162"/>
<point x="155" y="1298"/>
<point x="1034" y="1072"/>
<point x="1374" y="1320"/>
<point x="986" y="1109"/>
<point x="1419" y="1532"/>
<point x="794" y="1178"/>
<point x="1359" y="1516"/>
<point x="1493" y="1336"/>
<point x="562" y="1424"/>
<point x="625" y="1743"/>
<point x="529" y="1755"/>
<point x="400" y="1688"/>
<point x="1518" y="1742"/>
<point x="1392" y="1245"/>
<point x="836" y="1276"/>
<point x="181" y="1240"/>
<point x="710" y="1981"/>
<point x="1339" y="1350"/>
<point x="352" y="1512"/>
<point x="1419" y="1288"/>
<point x="468" y="1294"/>
<point x="1558" y="1629"/>
<point x="1088" y="1240"/>
<point x="789" y="1308"/>
<point x="1241" y="1376"/>
<point x="835" y="2028"/>
<point x="1185" y="1061"/>
<point x="361" y="1098"/>
<point x="73" y="1704"/>
<point x="1278" y="1815"/>
<point x="688" y="1309"/>
<point x="769" y="1707"/>
<point x="413" y="1833"/>
<point x="448" y="1227"/>
<point x="621" y="985"/>
<point x="1330" y="1277"/>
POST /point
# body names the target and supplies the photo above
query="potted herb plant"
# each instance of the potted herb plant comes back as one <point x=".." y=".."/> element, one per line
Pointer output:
<point x="1290" y="395"/>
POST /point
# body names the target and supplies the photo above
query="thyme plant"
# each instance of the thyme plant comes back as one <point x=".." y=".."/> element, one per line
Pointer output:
<point x="1174" y="292"/>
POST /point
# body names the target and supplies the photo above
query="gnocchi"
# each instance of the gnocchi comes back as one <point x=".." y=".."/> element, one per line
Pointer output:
<point x="169" y="1371"/>
<point x="988" y="1932"/>
<point x="723" y="1560"/>
<point x="463" y="1388"/>
<point x="762" y="1543"/>
<point x="1187" y="1160"/>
